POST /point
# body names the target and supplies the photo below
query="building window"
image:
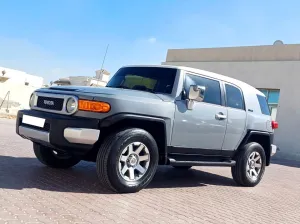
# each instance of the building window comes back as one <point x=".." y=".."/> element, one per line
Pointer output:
<point x="272" y="96"/>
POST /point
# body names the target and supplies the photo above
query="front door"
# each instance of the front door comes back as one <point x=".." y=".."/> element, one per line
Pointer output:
<point x="202" y="129"/>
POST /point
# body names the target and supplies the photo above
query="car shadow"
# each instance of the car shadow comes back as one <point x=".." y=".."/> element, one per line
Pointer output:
<point x="19" y="173"/>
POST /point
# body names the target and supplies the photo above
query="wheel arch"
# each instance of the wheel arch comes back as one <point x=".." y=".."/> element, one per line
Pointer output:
<point x="265" y="139"/>
<point x="158" y="127"/>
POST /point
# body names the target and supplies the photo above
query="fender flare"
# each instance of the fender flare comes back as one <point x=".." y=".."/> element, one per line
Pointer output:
<point x="111" y="120"/>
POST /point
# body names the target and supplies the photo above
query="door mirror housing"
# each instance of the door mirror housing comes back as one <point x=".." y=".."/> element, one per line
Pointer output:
<point x="196" y="93"/>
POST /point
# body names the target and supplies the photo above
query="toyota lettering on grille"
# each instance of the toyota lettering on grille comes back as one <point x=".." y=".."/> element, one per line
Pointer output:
<point x="49" y="102"/>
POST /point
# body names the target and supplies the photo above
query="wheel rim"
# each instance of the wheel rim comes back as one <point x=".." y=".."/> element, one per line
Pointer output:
<point x="134" y="161"/>
<point x="254" y="164"/>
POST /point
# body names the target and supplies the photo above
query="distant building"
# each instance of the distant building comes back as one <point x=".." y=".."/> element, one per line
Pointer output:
<point x="9" y="75"/>
<point x="16" y="88"/>
<point x="101" y="79"/>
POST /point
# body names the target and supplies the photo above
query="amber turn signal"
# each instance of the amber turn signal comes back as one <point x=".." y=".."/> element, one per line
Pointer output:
<point x="93" y="106"/>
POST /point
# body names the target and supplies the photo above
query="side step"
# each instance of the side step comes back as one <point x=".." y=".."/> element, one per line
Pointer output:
<point x="201" y="163"/>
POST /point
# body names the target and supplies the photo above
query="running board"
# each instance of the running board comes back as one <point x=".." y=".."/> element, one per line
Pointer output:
<point x="201" y="163"/>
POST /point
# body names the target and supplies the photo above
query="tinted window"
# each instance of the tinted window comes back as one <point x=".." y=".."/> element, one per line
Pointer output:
<point x="151" y="79"/>
<point x="234" y="97"/>
<point x="212" y="88"/>
<point x="263" y="105"/>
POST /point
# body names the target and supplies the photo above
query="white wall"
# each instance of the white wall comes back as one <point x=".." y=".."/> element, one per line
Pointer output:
<point x="21" y="77"/>
<point x="18" y="98"/>
<point x="96" y="82"/>
<point x="79" y="80"/>
<point x="283" y="75"/>
<point x="105" y="78"/>
<point x="19" y="93"/>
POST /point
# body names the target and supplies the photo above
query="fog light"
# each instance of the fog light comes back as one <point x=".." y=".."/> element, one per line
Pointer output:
<point x="71" y="105"/>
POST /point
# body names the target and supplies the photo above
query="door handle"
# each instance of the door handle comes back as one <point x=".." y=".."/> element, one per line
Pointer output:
<point x="220" y="116"/>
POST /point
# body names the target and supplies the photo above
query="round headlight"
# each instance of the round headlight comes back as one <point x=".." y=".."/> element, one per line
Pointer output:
<point x="31" y="101"/>
<point x="71" y="105"/>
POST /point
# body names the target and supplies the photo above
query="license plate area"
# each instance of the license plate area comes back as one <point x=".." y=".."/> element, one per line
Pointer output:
<point x="33" y="121"/>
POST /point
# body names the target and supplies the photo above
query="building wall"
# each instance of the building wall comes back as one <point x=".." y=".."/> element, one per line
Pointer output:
<point x="18" y="98"/>
<point x="95" y="82"/>
<point x="79" y="80"/>
<point x="21" y="77"/>
<point x="85" y="80"/>
<point x="283" y="75"/>
<point x="19" y="93"/>
<point x="105" y="78"/>
<point x="283" y="52"/>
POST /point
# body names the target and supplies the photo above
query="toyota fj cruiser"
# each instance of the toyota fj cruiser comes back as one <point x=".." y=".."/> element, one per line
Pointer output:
<point x="148" y="116"/>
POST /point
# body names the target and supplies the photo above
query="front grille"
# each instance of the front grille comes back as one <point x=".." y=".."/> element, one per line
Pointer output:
<point x="50" y="103"/>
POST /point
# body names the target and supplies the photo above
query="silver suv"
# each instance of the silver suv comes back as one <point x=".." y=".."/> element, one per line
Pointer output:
<point x="148" y="116"/>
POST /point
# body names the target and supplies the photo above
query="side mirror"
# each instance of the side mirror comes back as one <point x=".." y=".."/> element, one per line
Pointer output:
<point x="196" y="93"/>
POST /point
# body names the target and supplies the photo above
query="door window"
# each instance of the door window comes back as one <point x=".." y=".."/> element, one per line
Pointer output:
<point x="212" y="88"/>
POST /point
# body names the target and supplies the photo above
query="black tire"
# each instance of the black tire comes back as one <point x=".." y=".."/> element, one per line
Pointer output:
<point x="47" y="157"/>
<point x="182" y="167"/>
<point x="239" y="171"/>
<point x="108" y="160"/>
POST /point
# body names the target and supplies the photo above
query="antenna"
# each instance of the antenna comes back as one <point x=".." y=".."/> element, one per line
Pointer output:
<point x="103" y="63"/>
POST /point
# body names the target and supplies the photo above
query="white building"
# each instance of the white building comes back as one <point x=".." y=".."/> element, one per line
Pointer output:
<point x="16" y="88"/>
<point x="274" y="69"/>
<point x="20" y="77"/>
<point x="101" y="79"/>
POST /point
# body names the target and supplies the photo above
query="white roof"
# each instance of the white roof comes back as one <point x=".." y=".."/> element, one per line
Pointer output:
<point x="237" y="82"/>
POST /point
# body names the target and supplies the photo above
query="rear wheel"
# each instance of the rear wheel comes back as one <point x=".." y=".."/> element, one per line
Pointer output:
<point x="53" y="158"/>
<point x="127" y="160"/>
<point x="250" y="165"/>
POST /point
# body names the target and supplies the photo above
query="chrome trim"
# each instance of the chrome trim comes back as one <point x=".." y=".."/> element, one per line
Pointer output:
<point x="273" y="150"/>
<point x="81" y="135"/>
<point x="59" y="96"/>
<point x="34" y="134"/>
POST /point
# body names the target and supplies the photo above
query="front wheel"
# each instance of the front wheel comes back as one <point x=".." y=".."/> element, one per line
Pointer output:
<point x="127" y="160"/>
<point x="54" y="159"/>
<point x="250" y="165"/>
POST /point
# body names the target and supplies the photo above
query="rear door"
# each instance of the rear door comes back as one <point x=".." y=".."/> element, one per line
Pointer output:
<point x="236" y="116"/>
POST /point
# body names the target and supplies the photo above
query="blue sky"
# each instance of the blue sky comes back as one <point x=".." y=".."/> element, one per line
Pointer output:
<point x="59" y="38"/>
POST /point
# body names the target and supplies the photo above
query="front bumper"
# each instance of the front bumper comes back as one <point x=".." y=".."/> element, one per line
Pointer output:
<point x="73" y="134"/>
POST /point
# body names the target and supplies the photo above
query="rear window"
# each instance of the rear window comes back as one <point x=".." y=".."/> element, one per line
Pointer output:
<point x="263" y="105"/>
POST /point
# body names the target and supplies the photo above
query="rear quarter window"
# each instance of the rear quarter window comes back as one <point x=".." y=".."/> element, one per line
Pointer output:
<point x="263" y="105"/>
<point x="234" y="97"/>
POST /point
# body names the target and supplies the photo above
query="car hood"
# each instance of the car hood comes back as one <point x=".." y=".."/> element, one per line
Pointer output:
<point x="111" y="91"/>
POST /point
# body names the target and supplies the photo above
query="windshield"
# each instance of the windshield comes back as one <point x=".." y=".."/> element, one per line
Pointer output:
<point x="150" y="79"/>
